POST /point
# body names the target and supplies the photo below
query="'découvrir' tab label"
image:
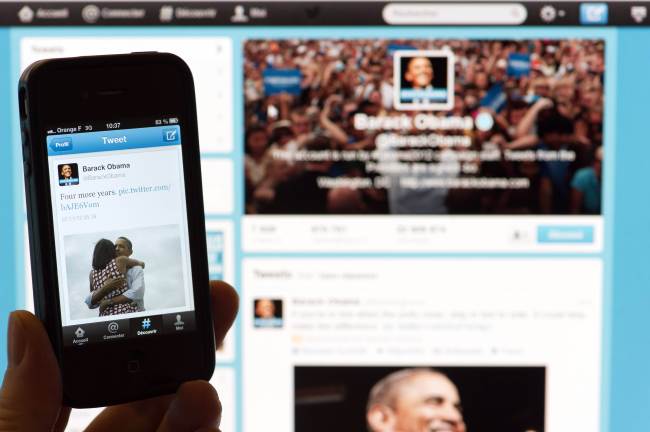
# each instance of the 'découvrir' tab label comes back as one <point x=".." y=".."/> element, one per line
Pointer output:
<point x="146" y="326"/>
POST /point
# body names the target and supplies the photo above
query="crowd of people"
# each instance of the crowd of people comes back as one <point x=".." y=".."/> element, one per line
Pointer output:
<point x="553" y="104"/>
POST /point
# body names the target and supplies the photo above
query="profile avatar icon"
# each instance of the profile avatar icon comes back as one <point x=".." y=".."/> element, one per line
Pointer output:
<point x="423" y="80"/>
<point x="68" y="174"/>
<point x="268" y="313"/>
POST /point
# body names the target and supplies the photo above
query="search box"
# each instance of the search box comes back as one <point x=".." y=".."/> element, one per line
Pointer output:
<point x="454" y="14"/>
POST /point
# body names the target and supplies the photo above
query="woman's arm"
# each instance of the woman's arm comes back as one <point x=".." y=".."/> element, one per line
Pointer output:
<point x="120" y="299"/>
<point x="108" y="287"/>
<point x="525" y="126"/>
<point x="334" y="130"/>
<point x="125" y="263"/>
<point x="525" y="142"/>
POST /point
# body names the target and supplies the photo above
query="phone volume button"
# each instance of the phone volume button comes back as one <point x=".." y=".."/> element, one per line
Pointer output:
<point x="27" y="168"/>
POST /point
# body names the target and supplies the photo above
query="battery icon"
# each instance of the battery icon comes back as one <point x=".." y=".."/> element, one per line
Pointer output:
<point x="173" y="120"/>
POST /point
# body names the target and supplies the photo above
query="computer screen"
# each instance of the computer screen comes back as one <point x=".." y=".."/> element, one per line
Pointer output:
<point x="435" y="214"/>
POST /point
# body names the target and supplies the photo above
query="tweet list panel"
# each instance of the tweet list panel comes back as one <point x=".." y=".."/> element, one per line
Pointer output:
<point x="330" y="329"/>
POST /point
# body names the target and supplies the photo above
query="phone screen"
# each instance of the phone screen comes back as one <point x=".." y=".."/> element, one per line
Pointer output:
<point x="120" y="230"/>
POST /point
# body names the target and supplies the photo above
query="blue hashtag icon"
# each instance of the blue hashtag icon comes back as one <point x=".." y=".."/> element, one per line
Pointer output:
<point x="146" y="323"/>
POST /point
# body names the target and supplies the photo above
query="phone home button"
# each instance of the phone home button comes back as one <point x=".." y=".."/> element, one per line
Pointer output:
<point x="133" y="366"/>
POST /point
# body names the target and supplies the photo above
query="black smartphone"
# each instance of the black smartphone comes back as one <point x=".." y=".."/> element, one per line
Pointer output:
<point x="116" y="224"/>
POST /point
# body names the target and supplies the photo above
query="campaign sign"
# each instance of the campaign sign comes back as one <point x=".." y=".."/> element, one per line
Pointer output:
<point x="393" y="48"/>
<point x="495" y="98"/>
<point x="518" y="65"/>
<point x="426" y="95"/>
<point x="282" y="81"/>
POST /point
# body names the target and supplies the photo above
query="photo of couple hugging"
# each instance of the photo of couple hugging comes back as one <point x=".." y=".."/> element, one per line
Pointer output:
<point x="116" y="280"/>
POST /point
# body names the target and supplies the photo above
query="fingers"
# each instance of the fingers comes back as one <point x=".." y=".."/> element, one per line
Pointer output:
<point x="225" y="303"/>
<point x="62" y="420"/>
<point x="147" y="415"/>
<point x="142" y="416"/>
<point x="30" y="398"/>
<point x="196" y="406"/>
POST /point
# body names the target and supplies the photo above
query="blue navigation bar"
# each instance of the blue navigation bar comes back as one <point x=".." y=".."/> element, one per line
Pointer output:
<point x="565" y="234"/>
<point x="122" y="139"/>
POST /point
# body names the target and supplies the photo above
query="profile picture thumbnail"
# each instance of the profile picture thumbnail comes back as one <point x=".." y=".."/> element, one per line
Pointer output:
<point x="268" y="313"/>
<point x="68" y="174"/>
<point x="424" y="80"/>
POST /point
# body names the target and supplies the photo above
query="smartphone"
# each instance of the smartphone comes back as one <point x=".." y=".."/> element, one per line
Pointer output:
<point x="116" y="224"/>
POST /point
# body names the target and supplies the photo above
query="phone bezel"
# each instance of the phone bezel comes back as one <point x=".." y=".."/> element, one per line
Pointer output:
<point x="62" y="91"/>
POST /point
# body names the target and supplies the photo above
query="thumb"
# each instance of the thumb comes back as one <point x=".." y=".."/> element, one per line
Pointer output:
<point x="30" y="398"/>
<point x="195" y="406"/>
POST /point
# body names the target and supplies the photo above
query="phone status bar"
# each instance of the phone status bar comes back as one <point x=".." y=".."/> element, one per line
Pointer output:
<point x="98" y="126"/>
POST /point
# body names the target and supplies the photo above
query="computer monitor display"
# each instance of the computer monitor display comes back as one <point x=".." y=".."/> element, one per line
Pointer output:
<point x="434" y="213"/>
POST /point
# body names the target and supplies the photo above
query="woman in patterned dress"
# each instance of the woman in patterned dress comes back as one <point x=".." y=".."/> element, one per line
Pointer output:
<point x="107" y="266"/>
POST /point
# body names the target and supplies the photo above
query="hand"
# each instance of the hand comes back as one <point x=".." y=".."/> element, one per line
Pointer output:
<point x="30" y="397"/>
<point x="500" y="140"/>
<point x="285" y="98"/>
<point x="332" y="99"/>
<point x="114" y="283"/>
<point x="544" y="103"/>
<point x="104" y="304"/>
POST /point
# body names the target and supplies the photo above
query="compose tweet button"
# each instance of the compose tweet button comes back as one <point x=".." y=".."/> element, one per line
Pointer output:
<point x="593" y="13"/>
<point x="171" y="135"/>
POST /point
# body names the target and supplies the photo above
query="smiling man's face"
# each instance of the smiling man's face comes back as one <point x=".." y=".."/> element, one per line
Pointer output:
<point x="425" y="402"/>
<point x="429" y="403"/>
<point x="419" y="72"/>
<point x="265" y="308"/>
<point x="66" y="171"/>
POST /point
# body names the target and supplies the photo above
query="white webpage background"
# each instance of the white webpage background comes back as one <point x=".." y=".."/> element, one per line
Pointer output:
<point x="514" y="312"/>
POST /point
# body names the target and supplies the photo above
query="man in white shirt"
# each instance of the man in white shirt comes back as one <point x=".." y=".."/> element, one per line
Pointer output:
<point x="134" y="280"/>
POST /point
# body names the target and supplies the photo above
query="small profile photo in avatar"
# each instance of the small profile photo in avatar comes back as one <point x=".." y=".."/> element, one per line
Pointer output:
<point x="68" y="174"/>
<point x="423" y="80"/>
<point x="268" y="313"/>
